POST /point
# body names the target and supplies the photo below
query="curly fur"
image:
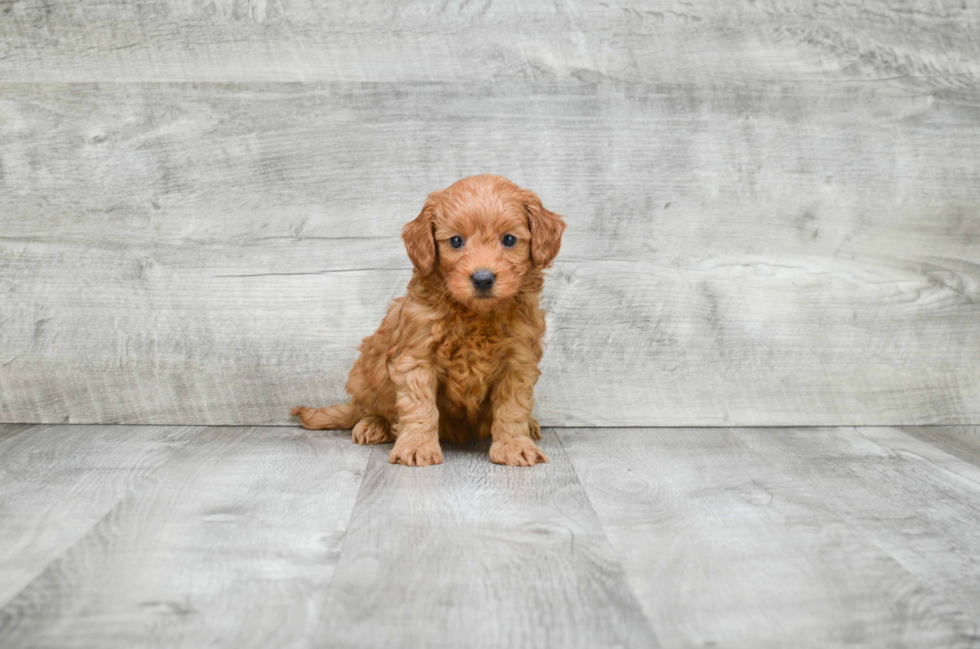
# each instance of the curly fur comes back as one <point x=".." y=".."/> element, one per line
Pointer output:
<point x="448" y="361"/>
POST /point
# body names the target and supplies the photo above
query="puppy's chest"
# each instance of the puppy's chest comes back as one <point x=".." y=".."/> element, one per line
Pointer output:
<point x="470" y="355"/>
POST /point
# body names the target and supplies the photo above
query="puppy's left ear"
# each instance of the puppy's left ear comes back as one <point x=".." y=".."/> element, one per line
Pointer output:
<point x="419" y="237"/>
<point x="546" y="230"/>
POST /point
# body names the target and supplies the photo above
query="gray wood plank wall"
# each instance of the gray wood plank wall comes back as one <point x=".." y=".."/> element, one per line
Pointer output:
<point x="773" y="207"/>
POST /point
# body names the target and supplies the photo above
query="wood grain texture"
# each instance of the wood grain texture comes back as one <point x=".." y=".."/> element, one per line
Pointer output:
<point x="10" y="430"/>
<point x="764" y="254"/>
<point x="56" y="482"/>
<point x="962" y="442"/>
<point x="468" y="553"/>
<point x="279" y="537"/>
<point x="913" y="500"/>
<point x="231" y="543"/>
<point x="706" y="43"/>
<point x="723" y="548"/>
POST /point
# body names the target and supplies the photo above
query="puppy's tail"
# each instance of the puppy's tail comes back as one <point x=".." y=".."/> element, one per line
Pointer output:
<point x="338" y="417"/>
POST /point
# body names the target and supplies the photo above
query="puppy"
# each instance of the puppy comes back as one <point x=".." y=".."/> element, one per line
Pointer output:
<point x="458" y="355"/>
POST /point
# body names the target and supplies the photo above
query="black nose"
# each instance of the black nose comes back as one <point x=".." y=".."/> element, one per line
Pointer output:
<point x="482" y="279"/>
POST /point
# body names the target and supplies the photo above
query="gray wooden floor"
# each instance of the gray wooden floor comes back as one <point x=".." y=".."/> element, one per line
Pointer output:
<point x="147" y="536"/>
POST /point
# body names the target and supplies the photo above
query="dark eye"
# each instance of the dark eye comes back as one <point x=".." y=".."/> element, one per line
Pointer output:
<point x="456" y="242"/>
<point x="509" y="240"/>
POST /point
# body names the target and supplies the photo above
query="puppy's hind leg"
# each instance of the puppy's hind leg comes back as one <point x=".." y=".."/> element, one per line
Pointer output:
<point x="535" y="428"/>
<point x="372" y="430"/>
<point x="338" y="417"/>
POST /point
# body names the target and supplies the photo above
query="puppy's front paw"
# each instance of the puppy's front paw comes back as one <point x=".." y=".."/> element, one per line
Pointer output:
<point x="413" y="453"/>
<point x="516" y="451"/>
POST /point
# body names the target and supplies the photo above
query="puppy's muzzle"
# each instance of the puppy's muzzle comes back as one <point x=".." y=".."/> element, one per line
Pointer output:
<point x="483" y="280"/>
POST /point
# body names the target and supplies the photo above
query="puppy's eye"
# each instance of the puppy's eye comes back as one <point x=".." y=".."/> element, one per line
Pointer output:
<point x="456" y="242"/>
<point x="509" y="240"/>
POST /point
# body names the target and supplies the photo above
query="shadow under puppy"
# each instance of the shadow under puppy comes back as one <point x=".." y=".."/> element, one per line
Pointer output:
<point x="458" y="355"/>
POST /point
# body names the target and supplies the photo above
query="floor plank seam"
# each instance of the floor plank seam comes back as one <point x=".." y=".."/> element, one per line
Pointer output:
<point x="905" y="453"/>
<point x="328" y="591"/>
<point x="81" y="536"/>
<point x="605" y="534"/>
<point x="861" y="530"/>
<point x="30" y="427"/>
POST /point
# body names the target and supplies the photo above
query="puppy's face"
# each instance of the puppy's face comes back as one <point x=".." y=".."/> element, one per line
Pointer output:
<point x="481" y="236"/>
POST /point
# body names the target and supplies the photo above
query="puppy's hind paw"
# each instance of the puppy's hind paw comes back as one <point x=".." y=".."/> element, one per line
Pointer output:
<point x="535" y="428"/>
<point x="372" y="430"/>
<point x="518" y="451"/>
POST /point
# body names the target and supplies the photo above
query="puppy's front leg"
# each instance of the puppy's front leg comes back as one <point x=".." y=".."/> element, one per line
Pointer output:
<point x="513" y="399"/>
<point x="417" y="432"/>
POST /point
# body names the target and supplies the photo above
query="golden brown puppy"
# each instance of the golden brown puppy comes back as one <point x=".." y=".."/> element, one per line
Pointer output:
<point x="458" y="355"/>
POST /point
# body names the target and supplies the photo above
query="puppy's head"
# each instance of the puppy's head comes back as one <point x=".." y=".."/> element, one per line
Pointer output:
<point x="481" y="236"/>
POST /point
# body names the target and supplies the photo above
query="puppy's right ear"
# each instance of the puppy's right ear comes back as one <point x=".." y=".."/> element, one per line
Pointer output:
<point x="419" y="238"/>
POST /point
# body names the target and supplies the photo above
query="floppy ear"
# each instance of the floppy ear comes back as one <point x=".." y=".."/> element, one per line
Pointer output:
<point x="546" y="230"/>
<point x="420" y="239"/>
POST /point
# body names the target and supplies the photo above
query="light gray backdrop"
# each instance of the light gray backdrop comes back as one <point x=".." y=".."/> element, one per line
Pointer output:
<point x="772" y="206"/>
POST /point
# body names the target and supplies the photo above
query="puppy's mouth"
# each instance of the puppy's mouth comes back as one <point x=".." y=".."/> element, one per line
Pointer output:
<point x="483" y="301"/>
